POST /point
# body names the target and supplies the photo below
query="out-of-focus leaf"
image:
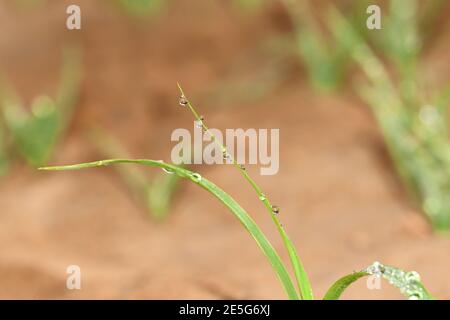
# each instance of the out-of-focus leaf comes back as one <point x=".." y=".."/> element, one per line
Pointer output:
<point x="243" y="217"/>
<point x="34" y="134"/>
<point x="141" y="8"/>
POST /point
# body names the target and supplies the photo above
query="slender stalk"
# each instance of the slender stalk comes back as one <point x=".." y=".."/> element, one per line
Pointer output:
<point x="221" y="195"/>
<point x="302" y="279"/>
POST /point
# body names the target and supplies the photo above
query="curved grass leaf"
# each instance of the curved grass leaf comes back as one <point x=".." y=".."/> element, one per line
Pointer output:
<point x="226" y="199"/>
<point x="36" y="133"/>
<point x="342" y="284"/>
<point x="408" y="283"/>
<point x="303" y="283"/>
<point x="155" y="193"/>
<point x="417" y="142"/>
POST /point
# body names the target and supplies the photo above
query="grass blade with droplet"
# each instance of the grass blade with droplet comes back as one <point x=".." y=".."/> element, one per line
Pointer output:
<point x="408" y="283"/>
<point x="221" y="195"/>
<point x="303" y="283"/>
<point x="342" y="284"/>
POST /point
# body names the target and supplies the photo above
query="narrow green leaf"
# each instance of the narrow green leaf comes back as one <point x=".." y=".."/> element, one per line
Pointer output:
<point x="226" y="199"/>
<point x="339" y="286"/>
<point x="408" y="283"/>
<point x="304" y="286"/>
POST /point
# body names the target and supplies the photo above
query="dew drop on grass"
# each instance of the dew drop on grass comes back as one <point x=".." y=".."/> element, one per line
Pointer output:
<point x="412" y="276"/>
<point x="262" y="197"/>
<point x="168" y="171"/>
<point x="199" y="123"/>
<point x="375" y="269"/>
<point x="226" y="156"/>
<point x="197" y="177"/>
<point x="275" y="210"/>
<point x="408" y="282"/>
<point x="183" y="101"/>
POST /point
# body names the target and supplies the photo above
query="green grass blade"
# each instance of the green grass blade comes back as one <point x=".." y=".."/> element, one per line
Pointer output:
<point x="156" y="192"/>
<point x="408" y="282"/>
<point x="301" y="276"/>
<point x="221" y="195"/>
<point x="336" y="290"/>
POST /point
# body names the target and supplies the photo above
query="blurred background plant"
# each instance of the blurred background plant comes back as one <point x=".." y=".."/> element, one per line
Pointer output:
<point x="155" y="192"/>
<point x="277" y="66"/>
<point x="142" y="8"/>
<point x="30" y="4"/>
<point x="412" y="119"/>
<point x="326" y="62"/>
<point x="249" y="5"/>
<point x="33" y="133"/>
<point x="412" y="116"/>
<point x="3" y="156"/>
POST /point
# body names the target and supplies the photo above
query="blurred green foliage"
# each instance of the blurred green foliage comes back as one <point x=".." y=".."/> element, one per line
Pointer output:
<point x="155" y="193"/>
<point x="141" y="8"/>
<point x="415" y="126"/>
<point x="249" y="5"/>
<point x="35" y="132"/>
<point x="326" y="61"/>
<point x="3" y="155"/>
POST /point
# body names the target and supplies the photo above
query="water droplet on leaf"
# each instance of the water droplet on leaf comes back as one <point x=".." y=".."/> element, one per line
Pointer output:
<point x="183" y="101"/>
<point x="197" y="177"/>
<point x="275" y="210"/>
<point x="199" y="123"/>
<point x="375" y="269"/>
<point x="169" y="171"/>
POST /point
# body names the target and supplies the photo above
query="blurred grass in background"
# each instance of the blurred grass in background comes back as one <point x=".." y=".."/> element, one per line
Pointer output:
<point x="326" y="61"/>
<point x="412" y="117"/>
<point x="155" y="193"/>
<point x="33" y="132"/>
<point x="142" y="8"/>
<point x="415" y="126"/>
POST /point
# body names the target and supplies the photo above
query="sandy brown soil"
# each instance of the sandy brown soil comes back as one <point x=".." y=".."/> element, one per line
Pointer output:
<point x="339" y="197"/>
